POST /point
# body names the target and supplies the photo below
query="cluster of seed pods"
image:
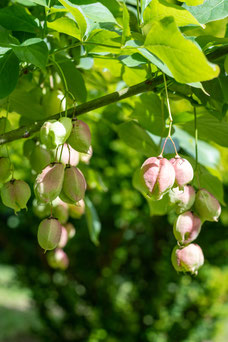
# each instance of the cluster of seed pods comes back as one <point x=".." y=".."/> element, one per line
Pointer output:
<point x="159" y="176"/>
<point x="60" y="185"/>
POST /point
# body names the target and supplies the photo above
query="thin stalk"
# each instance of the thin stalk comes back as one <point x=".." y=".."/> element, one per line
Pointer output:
<point x="170" y="120"/>
<point x="196" y="139"/>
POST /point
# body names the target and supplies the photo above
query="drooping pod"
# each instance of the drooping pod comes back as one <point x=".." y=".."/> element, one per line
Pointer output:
<point x="40" y="158"/>
<point x="67" y="155"/>
<point x="85" y="157"/>
<point x="58" y="259"/>
<point x="15" y="194"/>
<point x="48" y="184"/>
<point x="207" y="206"/>
<point x="41" y="210"/>
<point x="49" y="233"/>
<point x="187" y="227"/>
<point x="5" y="169"/>
<point x="60" y="210"/>
<point x="54" y="133"/>
<point x="158" y="176"/>
<point x="182" y="199"/>
<point x="187" y="259"/>
<point x="74" y="185"/>
<point x="183" y="171"/>
<point x="80" y="137"/>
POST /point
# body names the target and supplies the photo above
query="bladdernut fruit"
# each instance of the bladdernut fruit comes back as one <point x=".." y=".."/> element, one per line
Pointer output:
<point x="48" y="184"/>
<point x="182" y="199"/>
<point x="49" y="233"/>
<point x="187" y="259"/>
<point x="187" y="227"/>
<point x="80" y="137"/>
<point x="74" y="185"/>
<point x="54" y="133"/>
<point x="183" y="171"/>
<point x="207" y="206"/>
<point x="15" y="194"/>
<point x="158" y="175"/>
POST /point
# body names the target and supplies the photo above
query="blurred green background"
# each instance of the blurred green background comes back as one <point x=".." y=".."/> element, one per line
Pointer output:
<point x="124" y="289"/>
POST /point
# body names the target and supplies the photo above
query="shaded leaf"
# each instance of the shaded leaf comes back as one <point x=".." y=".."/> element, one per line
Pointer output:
<point x="93" y="221"/>
<point x="9" y="72"/>
<point x="137" y="138"/>
<point x="16" y="18"/>
<point x="32" y="51"/>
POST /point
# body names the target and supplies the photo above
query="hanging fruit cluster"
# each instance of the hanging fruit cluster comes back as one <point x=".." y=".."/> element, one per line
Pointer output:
<point x="59" y="186"/>
<point x="159" y="176"/>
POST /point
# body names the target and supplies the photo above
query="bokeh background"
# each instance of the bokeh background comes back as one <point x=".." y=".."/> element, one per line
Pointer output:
<point x="123" y="289"/>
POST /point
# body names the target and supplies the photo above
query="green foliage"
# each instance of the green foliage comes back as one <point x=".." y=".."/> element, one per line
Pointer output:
<point x="56" y="55"/>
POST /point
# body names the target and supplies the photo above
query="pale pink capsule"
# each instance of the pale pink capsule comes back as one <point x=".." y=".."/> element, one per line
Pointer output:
<point x="187" y="259"/>
<point x="58" y="259"/>
<point x="183" y="199"/>
<point x="158" y="175"/>
<point x="187" y="227"/>
<point x="63" y="238"/>
<point x="183" y="170"/>
<point x="207" y="206"/>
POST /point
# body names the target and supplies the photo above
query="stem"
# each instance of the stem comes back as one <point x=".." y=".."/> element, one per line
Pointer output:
<point x="170" y="120"/>
<point x="138" y="12"/>
<point x="196" y="139"/>
<point x="64" y="82"/>
<point x="26" y="131"/>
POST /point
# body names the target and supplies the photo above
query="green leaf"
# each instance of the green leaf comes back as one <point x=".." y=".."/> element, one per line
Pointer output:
<point x="74" y="80"/>
<point x="77" y="13"/>
<point x="131" y="76"/>
<point x="41" y="2"/>
<point x="96" y="11"/>
<point x="137" y="138"/>
<point x="16" y="18"/>
<point x="158" y="9"/>
<point x="133" y="60"/>
<point x="184" y="59"/>
<point x="33" y="51"/>
<point x="126" y="27"/>
<point x="93" y="221"/>
<point x="9" y="72"/>
<point x="158" y="208"/>
<point x="65" y="25"/>
<point x="209" y="129"/>
<point x="193" y="2"/>
<point x="210" y="10"/>
<point x="110" y="40"/>
<point x="150" y="113"/>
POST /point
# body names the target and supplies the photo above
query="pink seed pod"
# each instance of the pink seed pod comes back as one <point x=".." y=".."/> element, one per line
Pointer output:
<point x="5" y="169"/>
<point x="58" y="259"/>
<point x="187" y="259"/>
<point x="49" y="233"/>
<point x="39" y="158"/>
<point x="183" y="170"/>
<point x="74" y="185"/>
<point x="54" y="133"/>
<point x="15" y="194"/>
<point x="77" y="210"/>
<point x="71" y="230"/>
<point x="182" y="199"/>
<point x="158" y="175"/>
<point x="60" y="210"/>
<point x="187" y="227"/>
<point x="48" y="184"/>
<point x="63" y="238"/>
<point x="69" y="155"/>
<point x="80" y="137"/>
<point x="207" y="206"/>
